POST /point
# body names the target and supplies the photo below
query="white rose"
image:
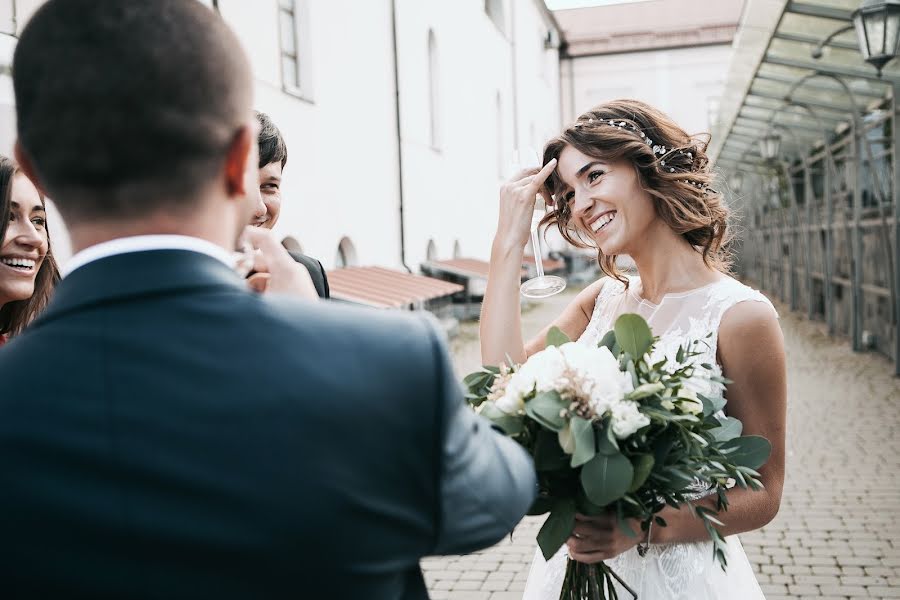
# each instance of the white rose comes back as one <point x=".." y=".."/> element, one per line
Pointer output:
<point x="511" y="404"/>
<point x="543" y="370"/>
<point x="689" y="401"/>
<point x="590" y="361"/>
<point x="627" y="419"/>
<point x="598" y="371"/>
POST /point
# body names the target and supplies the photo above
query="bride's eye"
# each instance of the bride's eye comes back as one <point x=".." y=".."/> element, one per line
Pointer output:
<point x="595" y="175"/>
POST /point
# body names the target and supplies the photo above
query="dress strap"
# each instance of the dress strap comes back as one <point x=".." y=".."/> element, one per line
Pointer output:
<point x="725" y="296"/>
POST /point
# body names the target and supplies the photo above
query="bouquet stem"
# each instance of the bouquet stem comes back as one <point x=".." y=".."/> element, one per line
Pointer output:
<point x="591" y="582"/>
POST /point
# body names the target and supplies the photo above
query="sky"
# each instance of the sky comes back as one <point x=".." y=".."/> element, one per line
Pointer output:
<point x="563" y="4"/>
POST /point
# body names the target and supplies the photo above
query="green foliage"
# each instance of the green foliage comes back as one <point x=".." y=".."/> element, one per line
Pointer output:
<point x="633" y="335"/>
<point x="606" y="478"/>
<point x="585" y="445"/>
<point x="557" y="528"/>
<point x="556" y="337"/>
<point x="661" y="464"/>
<point x="547" y="408"/>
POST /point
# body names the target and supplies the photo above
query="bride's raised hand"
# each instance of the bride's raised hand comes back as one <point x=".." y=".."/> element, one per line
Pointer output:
<point x="517" y="200"/>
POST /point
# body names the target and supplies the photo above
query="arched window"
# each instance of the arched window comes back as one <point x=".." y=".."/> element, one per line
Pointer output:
<point x="346" y="254"/>
<point x="431" y="252"/>
<point x="291" y="244"/>
<point x="434" y="91"/>
<point x="497" y="13"/>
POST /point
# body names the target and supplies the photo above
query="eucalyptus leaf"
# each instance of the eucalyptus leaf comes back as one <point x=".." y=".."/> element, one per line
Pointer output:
<point x="556" y="337"/>
<point x="545" y="408"/>
<point x="606" y="479"/>
<point x="642" y="464"/>
<point x="748" y="451"/>
<point x="712" y="405"/>
<point x="585" y="507"/>
<point x="510" y="424"/>
<point x="633" y="335"/>
<point x="585" y="447"/>
<point x="606" y="440"/>
<point x="557" y="528"/>
<point x="609" y="341"/>
<point x="645" y="390"/>
<point x="728" y="429"/>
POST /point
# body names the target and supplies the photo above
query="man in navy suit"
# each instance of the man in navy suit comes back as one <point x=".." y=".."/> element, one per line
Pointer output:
<point x="165" y="433"/>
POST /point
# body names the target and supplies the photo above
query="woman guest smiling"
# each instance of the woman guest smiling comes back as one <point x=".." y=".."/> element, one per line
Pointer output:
<point x="27" y="269"/>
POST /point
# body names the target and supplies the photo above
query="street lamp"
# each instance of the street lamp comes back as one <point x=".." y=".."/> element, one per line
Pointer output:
<point x="878" y="28"/>
<point x="769" y="145"/>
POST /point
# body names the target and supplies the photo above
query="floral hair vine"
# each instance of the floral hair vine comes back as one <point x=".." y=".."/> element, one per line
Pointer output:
<point x="658" y="149"/>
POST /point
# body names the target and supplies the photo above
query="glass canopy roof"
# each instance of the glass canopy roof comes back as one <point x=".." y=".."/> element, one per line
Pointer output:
<point x="773" y="82"/>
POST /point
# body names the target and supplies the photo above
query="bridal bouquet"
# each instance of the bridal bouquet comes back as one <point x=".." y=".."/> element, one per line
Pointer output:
<point x="619" y="428"/>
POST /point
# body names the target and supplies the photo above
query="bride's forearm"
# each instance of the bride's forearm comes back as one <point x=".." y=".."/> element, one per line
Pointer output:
<point x="747" y="510"/>
<point x="501" y="314"/>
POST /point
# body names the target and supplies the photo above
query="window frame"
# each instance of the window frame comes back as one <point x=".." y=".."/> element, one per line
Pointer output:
<point x="297" y="13"/>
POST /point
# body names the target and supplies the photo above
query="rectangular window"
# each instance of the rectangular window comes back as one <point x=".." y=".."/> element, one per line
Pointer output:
<point x="292" y="25"/>
<point x="8" y="17"/>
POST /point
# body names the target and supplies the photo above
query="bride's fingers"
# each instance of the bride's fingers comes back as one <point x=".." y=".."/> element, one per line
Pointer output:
<point x="538" y="180"/>
<point x="589" y="558"/>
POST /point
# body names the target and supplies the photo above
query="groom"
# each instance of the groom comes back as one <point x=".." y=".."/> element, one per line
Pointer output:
<point x="165" y="433"/>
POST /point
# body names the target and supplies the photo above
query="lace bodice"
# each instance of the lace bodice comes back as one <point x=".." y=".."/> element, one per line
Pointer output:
<point x="677" y="571"/>
<point x="678" y="317"/>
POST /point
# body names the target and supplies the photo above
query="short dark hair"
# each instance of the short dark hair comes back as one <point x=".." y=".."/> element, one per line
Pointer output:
<point x="271" y="144"/>
<point x="15" y="315"/>
<point x="126" y="107"/>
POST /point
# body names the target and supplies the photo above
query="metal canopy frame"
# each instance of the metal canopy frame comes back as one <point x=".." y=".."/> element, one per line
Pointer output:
<point x="819" y="104"/>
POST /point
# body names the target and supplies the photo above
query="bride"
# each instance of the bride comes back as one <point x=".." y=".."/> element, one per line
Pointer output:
<point x="629" y="181"/>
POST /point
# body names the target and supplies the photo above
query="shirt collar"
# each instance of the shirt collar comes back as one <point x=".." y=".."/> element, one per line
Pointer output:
<point x="144" y="243"/>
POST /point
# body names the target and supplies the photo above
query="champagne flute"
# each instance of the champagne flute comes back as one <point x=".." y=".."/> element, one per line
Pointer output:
<point x="541" y="286"/>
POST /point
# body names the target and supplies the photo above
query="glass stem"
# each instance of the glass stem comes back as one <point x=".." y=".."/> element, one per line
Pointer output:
<point x="536" y="249"/>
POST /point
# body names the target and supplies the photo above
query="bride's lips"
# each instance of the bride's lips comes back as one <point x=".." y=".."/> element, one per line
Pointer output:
<point x="600" y="222"/>
<point x="20" y="265"/>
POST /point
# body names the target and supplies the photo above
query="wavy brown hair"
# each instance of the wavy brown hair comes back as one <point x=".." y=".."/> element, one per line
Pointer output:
<point x="678" y="180"/>
<point x="14" y="316"/>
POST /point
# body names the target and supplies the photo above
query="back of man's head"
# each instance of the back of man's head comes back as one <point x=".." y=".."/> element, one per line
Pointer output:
<point x="128" y="107"/>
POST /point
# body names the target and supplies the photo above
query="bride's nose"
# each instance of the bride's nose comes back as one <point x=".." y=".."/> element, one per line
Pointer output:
<point x="582" y="205"/>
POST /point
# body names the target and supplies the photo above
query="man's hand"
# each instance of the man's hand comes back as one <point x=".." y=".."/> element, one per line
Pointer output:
<point x="595" y="539"/>
<point x="276" y="271"/>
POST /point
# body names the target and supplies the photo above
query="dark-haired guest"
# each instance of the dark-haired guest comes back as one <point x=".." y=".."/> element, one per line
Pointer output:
<point x="27" y="269"/>
<point x="272" y="160"/>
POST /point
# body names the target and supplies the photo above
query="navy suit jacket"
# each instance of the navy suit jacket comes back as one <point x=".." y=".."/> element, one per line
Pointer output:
<point x="166" y="434"/>
<point x="316" y="273"/>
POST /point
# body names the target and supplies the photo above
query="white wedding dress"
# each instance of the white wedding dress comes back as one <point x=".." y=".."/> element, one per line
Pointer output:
<point x="676" y="571"/>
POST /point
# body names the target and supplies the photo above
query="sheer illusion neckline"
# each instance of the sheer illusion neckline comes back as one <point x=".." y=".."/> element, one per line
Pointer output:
<point x="637" y="296"/>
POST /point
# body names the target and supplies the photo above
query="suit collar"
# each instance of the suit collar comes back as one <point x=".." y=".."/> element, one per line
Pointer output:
<point x="138" y="274"/>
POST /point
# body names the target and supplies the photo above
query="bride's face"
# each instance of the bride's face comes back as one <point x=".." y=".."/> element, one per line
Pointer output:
<point x="606" y="200"/>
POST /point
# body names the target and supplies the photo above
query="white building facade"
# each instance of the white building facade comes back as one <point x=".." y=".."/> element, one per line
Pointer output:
<point x="672" y="54"/>
<point x="384" y="104"/>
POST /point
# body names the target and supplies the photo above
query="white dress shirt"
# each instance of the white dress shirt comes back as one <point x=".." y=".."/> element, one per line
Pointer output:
<point x="143" y="243"/>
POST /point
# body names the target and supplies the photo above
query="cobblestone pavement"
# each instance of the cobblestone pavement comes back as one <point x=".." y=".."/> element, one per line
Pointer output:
<point x="838" y="532"/>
